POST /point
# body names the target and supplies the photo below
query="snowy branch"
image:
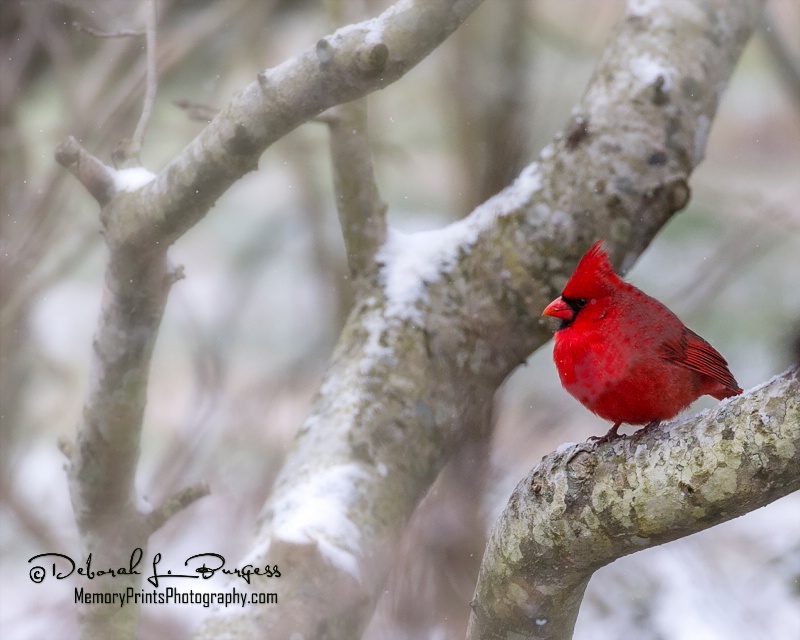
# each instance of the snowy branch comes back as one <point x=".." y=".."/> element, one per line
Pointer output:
<point x="585" y="505"/>
<point x="418" y="363"/>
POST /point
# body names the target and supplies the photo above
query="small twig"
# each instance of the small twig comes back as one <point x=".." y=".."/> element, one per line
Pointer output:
<point x="174" y="504"/>
<point x="197" y="111"/>
<point x="152" y="79"/>
<point x="122" y="33"/>
<point x="788" y="64"/>
<point x="362" y="212"/>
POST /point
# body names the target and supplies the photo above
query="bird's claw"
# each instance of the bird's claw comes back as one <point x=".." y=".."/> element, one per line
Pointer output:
<point x="611" y="435"/>
<point x="646" y="428"/>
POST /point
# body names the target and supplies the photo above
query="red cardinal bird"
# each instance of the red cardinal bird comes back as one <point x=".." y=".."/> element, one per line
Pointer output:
<point x="624" y="355"/>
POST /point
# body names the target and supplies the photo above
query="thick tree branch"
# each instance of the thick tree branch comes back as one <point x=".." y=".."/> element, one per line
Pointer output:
<point x="102" y="466"/>
<point x="459" y="309"/>
<point x="585" y="505"/>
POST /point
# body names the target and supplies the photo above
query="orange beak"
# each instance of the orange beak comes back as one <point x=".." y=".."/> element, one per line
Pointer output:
<point x="559" y="309"/>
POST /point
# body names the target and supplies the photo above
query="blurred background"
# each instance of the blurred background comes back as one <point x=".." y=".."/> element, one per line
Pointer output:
<point x="248" y="333"/>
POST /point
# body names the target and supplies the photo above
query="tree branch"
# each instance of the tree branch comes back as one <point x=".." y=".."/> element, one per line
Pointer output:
<point x="362" y="212"/>
<point x="151" y="79"/>
<point x="176" y="503"/>
<point x="494" y="110"/>
<point x="788" y="65"/>
<point x="584" y="506"/>
<point x="102" y="466"/>
<point x="96" y="176"/>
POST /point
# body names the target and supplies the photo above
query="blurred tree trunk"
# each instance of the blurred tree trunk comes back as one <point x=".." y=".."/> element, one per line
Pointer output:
<point x="491" y="74"/>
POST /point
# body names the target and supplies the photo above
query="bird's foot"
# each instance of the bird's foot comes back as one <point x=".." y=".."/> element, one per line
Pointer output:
<point x="611" y="435"/>
<point x="648" y="427"/>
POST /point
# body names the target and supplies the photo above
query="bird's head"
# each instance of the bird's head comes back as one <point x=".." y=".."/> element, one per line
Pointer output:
<point x="592" y="280"/>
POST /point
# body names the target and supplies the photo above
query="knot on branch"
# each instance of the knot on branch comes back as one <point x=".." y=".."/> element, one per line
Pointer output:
<point x="577" y="132"/>
<point x="679" y="194"/>
<point x="175" y="274"/>
<point x="242" y="143"/>
<point x="372" y="60"/>
<point x="660" y="91"/>
<point x="324" y="52"/>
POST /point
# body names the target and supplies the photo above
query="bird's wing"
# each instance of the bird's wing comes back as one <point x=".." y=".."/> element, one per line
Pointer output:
<point x="693" y="352"/>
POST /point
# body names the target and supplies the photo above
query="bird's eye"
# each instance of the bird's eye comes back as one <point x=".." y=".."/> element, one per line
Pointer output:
<point x="576" y="304"/>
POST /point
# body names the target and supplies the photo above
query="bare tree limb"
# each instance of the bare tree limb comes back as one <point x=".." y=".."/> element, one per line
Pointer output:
<point x="315" y="208"/>
<point x="175" y="504"/>
<point x="495" y="114"/>
<point x="151" y="79"/>
<point x="584" y="506"/>
<point x="788" y="65"/>
<point x="362" y="212"/>
<point x="102" y="467"/>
